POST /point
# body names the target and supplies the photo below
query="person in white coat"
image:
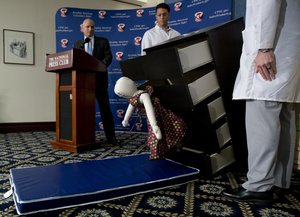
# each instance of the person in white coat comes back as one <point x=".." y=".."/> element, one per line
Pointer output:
<point x="268" y="80"/>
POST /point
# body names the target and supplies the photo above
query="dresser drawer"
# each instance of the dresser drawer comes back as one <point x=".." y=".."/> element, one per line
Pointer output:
<point x="185" y="96"/>
<point x="208" y="164"/>
<point x="194" y="56"/>
<point x="222" y="159"/>
<point x="223" y="135"/>
<point x="203" y="87"/>
<point x="216" y="109"/>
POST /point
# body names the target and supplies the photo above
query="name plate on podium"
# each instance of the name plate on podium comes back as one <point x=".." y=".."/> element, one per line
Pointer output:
<point x="59" y="61"/>
<point x="73" y="59"/>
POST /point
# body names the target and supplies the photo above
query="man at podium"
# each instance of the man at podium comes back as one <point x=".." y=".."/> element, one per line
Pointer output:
<point x="99" y="48"/>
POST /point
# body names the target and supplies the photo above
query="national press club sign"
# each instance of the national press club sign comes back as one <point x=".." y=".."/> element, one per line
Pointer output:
<point x="124" y="29"/>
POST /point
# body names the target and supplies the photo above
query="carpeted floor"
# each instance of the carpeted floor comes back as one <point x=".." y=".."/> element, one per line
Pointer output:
<point x="200" y="198"/>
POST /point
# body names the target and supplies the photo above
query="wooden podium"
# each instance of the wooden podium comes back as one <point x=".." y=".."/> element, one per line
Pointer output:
<point x="75" y="98"/>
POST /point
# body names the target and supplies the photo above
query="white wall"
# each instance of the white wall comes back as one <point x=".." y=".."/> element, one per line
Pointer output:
<point x="27" y="92"/>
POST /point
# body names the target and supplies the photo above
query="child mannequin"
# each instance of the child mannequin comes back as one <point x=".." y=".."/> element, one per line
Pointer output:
<point x="160" y="140"/>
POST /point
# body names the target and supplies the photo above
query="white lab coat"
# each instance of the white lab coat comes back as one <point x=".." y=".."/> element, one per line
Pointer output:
<point x="271" y="24"/>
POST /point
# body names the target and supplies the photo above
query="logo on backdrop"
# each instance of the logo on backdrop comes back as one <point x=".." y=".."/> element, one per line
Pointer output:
<point x="63" y="12"/>
<point x="64" y="42"/>
<point x="198" y="16"/>
<point x="120" y="113"/>
<point x="139" y="126"/>
<point x="101" y="125"/>
<point x="102" y="14"/>
<point x="177" y="6"/>
<point x="119" y="55"/>
<point x="139" y="13"/>
<point x="121" y="27"/>
<point x="137" y="40"/>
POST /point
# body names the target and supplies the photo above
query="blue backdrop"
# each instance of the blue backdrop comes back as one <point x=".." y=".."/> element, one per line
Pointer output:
<point x="124" y="30"/>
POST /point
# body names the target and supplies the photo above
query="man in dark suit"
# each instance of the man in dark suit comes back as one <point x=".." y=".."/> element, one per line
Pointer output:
<point x="99" y="48"/>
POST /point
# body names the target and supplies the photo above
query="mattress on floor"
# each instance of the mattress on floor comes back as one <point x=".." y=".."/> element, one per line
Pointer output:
<point x="60" y="186"/>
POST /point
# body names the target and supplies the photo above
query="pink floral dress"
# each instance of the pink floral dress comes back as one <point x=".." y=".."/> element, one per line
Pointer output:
<point x="172" y="126"/>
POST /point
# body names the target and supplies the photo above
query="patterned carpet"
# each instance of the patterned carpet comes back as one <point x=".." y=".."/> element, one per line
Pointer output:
<point x="200" y="198"/>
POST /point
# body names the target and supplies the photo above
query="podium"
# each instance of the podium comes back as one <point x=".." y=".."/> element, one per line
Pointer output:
<point x="75" y="98"/>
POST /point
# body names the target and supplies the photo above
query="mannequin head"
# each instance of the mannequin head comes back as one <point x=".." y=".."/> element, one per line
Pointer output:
<point x="125" y="87"/>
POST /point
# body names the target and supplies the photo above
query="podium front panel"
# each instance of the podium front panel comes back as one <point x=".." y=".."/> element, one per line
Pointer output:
<point x="65" y="78"/>
<point x="65" y="123"/>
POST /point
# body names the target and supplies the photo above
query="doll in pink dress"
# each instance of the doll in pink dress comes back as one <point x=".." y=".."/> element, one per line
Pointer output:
<point x="166" y="130"/>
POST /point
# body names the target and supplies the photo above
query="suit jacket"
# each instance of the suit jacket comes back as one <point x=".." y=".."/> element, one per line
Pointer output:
<point x="102" y="52"/>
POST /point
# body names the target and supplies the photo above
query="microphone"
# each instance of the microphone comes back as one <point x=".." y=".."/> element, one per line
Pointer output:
<point x="86" y="40"/>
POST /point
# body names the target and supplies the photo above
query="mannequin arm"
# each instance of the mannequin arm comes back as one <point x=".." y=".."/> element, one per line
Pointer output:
<point x="127" y="116"/>
<point x="157" y="132"/>
<point x="145" y="99"/>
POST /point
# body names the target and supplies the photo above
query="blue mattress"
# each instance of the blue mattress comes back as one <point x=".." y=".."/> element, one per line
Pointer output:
<point x="60" y="186"/>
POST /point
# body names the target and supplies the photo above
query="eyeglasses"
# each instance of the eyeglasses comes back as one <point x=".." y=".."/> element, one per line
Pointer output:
<point x="162" y="15"/>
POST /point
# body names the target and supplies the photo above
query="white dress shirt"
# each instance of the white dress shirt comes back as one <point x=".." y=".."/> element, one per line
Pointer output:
<point x="157" y="35"/>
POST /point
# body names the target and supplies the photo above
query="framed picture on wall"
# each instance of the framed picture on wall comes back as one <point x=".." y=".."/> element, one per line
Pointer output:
<point x="18" y="47"/>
